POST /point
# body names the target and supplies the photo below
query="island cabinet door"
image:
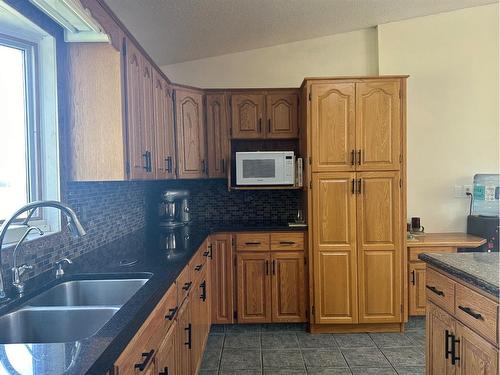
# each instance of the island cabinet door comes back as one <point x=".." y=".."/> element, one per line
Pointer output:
<point x="379" y="237"/>
<point x="288" y="287"/>
<point x="378" y="125"/>
<point x="334" y="248"/>
<point x="440" y="330"/>
<point x="477" y="356"/>
<point x="184" y="339"/>
<point x="254" y="287"/>
<point x="166" y="359"/>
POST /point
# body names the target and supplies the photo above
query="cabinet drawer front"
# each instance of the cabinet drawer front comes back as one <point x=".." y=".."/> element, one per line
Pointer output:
<point x="184" y="284"/>
<point x="252" y="242"/>
<point x="476" y="311"/>
<point x="198" y="263"/>
<point x="415" y="251"/>
<point x="440" y="290"/>
<point x="287" y="241"/>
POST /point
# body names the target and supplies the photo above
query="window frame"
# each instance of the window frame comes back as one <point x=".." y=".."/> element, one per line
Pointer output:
<point x="34" y="173"/>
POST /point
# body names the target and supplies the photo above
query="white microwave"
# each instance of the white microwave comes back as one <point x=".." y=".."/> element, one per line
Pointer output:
<point x="265" y="168"/>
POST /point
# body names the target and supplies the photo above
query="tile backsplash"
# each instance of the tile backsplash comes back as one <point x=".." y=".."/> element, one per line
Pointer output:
<point x="109" y="210"/>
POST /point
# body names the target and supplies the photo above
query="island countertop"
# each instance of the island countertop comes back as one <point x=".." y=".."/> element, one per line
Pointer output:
<point x="478" y="269"/>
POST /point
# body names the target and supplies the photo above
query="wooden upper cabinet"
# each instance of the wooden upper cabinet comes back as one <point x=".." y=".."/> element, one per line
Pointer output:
<point x="247" y="115"/>
<point x="334" y="248"/>
<point x="378" y="125"/>
<point x="253" y="288"/>
<point x="217" y="135"/>
<point x="190" y="130"/>
<point x="288" y="289"/>
<point x="222" y="279"/>
<point x="379" y="237"/>
<point x="333" y="127"/>
<point x="165" y="160"/>
<point x="137" y="157"/>
<point x="282" y="115"/>
<point x="148" y="117"/>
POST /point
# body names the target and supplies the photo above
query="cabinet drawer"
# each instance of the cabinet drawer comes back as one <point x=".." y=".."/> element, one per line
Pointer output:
<point x="252" y="242"/>
<point x="477" y="312"/>
<point x="184" y="284"/>
<point x="414" y="251"/>
<point x="169" y="306"/>
<point x="440" y="290"/>
<point x="287" y="241"/>
<point x="197" y="264"/>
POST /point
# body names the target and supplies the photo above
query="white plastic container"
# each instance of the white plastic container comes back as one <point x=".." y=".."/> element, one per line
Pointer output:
<point x="486" y="195"/>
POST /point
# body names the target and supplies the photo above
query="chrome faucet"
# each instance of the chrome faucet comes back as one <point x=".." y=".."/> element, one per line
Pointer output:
<point x="74" y="227"/>
<point x="60" y="269"/>
<point x="17" y="272"/>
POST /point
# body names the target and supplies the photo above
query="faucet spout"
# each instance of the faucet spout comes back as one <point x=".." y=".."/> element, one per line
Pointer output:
<point x="74" y="226"/>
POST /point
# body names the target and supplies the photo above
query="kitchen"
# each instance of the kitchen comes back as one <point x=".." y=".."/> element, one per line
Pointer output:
<point x="248" y="206"/>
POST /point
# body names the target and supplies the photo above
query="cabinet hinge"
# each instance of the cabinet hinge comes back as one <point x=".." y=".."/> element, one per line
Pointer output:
<point x="235" y="314"/>
<point x="309" y="96"/>
<point x="400" y="183"/>
<point x="305" y="260"/>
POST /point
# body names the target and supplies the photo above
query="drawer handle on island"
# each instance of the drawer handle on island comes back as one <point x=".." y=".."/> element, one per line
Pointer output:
<point x="147" y="357"/>
<point x="413" y="277"/>
<point x="290" y="243"/>
<point x="187" y="286"/>
<point x="198" y="267"/>
<point x="252" y="243"/>
<point x="164" y="372"/>
<point x="171" y="313"/>
<point x="203" y="287"/>
<point x="189" y="330"/>
<point x="471" y="312"/>
<point x="435" y="290"/>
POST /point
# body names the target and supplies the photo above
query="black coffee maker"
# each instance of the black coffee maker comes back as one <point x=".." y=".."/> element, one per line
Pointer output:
<point x="486" y="227"/>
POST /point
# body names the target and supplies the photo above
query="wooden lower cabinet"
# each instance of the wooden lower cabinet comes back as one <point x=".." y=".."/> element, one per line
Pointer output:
<point x="416" y="288"/>
<point x="184" y="339"/>
<point x="439" y="323"/>
<point x="222" y="277"/>
<point x="166" y="360"/>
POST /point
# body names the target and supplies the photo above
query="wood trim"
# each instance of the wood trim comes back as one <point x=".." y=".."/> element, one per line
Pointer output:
<point x="356" y="328"/>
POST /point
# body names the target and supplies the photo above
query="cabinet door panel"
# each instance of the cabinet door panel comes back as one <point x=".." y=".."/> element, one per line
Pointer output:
<point x="217" y="135"/>
<point x="334" y="248"/>
<point x="164" y="129"/>
<point x="477" y="356"/>
<point x="247" y="112"/>
<point x="190" y="134"/>
<point x="253" y="288"/>
<point x="148" y="126"/>
<point x="437" y="323"/>
<point x="167" y="354"/>
<point x="183" y="350"/>
<point x="288" y="287"/>
<point x="378" y="125"/>
<point x="282" y="121"/>
<point x="333" y="126"/>
<point x="379" y="237"/>
<point x="416" y="288"/>
<point x="222" y="280"/>
<point x="136" y="152"/>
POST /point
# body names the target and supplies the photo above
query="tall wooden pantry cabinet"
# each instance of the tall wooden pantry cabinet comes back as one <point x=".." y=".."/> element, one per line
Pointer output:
<point x="356" y="200"/>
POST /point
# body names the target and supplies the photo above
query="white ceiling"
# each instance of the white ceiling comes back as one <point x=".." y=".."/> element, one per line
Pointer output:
<point x="173" y="31"/>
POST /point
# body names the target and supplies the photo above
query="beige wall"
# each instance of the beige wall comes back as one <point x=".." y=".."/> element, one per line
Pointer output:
<point x="285" y="65"/>
<point x="453" y="101"/>
<point x="452" y="93"/>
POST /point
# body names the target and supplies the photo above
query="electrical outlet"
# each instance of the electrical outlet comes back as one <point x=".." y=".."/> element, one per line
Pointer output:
<point x="467" y="189"/>
<point x="459" y="191"/>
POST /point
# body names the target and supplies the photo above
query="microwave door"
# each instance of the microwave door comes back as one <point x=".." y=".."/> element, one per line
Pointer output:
<point x="258" y="171"/>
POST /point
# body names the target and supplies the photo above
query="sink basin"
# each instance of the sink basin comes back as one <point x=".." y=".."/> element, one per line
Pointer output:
<point x="52" y="324"/>
<point x="113" y="292"/>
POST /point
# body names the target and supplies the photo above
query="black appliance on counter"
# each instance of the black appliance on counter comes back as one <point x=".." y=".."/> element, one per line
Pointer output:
<point x="485" y="227"/>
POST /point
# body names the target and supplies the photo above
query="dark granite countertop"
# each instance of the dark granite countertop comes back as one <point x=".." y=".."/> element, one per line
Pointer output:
<point x="478" y="269"/>
<point x="96" y="354"/>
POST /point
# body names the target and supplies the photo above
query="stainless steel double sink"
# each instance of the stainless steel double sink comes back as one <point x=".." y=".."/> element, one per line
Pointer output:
<point x="70" y="311"/>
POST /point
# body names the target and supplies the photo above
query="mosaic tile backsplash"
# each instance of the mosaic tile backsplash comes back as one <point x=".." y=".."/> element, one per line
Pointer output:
<point x="109" y="210"/>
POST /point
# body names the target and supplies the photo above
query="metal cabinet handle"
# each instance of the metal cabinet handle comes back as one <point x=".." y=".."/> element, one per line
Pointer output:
<point x="164" y="372"/>
<point x="269" y="125"/>
<point x="471" y="312"/>
<point x="447" y="337"/>
<point x="359" y="157"/>
<point x="360" y="184"/>
<point x="203" y="166"/>
<point x="252" y="243"/>
<point x="187" y="286"/>
<point x="267" y="267"/>
<point x="453" y="351"/>
<point x="206" y="253"/>
<point x="147" y="357"/>
<point x="353" y="186"/>
<point x="146" y="161"/>
<point x="260" y="125"/>
<point x="353" y="157"/>
<point x="435" y="290"/>
<point x="413" y="277"/>
<point x="274" y="267"/>
<point x="171" y="313"/>
<point x="198" y="267"/>
<point x="189" y="330"/>
<point x="169" y="164"/>
<point x="287" y="243"/>
<point x="223" y="165"/>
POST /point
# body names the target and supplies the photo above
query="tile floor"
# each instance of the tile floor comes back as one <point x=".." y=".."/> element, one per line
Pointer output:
<point x="289" y="349"/>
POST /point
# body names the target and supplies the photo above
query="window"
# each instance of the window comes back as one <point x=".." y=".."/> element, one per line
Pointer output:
<point x="29" y="141"/>
<point x="18" y="134"/>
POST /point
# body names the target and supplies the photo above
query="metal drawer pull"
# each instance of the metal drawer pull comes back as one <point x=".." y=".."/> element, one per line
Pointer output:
<point x="206" y="253"/>
<point x="198" y="267"/>
<point x="147" y="357"/>
<point x="189" y="330"/>
<point x="252" y="243"/>
<point x="164" y="372"/>
<point x="413" y="277"/>
<point x="353" y="157"/>
<point x="435" y="290"/>
<point x="187" y="286"/>
<point x="171" y="313"/>
<point x="203" y="287"/>
<point x="471" y="312"/>
<point x="287" y="243"/>
<point x="274" y="267"/>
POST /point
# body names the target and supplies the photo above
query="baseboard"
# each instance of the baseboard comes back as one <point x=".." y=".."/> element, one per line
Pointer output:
<point x="356" y="328"/>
